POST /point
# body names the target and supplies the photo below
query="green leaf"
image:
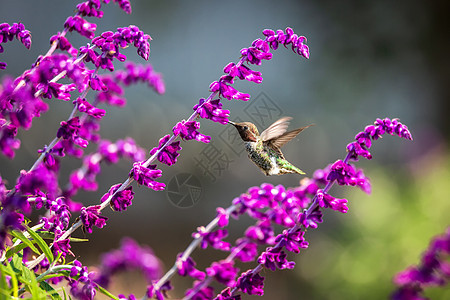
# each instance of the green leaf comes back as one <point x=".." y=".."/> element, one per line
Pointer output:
<point x="5" y="290"/>
<point x="19" y="234"/>
<point x="51" y="236"/>
<point x="106" y="293"/>
<point x="51" y="291"/>
<point x="42" y="244"/>
<point x="30" y="279"/>
<point x="15" y="250"/>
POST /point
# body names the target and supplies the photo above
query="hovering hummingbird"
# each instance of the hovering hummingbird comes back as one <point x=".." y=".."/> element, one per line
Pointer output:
<point x="264" y="149"/>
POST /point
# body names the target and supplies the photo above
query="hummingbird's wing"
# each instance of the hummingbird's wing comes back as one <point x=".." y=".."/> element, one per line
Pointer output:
<point x="280" y="141"/>
<point x="276" y="129"/>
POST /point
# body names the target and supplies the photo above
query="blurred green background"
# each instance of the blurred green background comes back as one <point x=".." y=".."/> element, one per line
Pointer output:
<point x="369" y="59"/>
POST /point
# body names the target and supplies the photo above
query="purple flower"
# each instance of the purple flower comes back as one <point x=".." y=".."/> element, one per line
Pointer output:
<point x="89" y="109"/>
<point x="292" y="241"/>
<point x="69" y="131"/>
<point x="346" y="174"/>
<point x="224" y="272"/>
<point x="146" y="176"/>
<point x="433" y="270"/>
<point x="187" y="268"/>
<point x="40" y="179"/>
<point x="245" y="250"/>
<point x="9" y="220"/>
<point x="212" y="110"/>
<point x="130" y="256"/>
<point x="83" y="287"/>
<point x="62" y="247"/>
<point x="63" y="43"/>
<point x="121" y="200"/>
<point x="19" y="105"/>
<point x="222" y="216"/>
<point x="257" y="52"/>
<point x="214" y="239"/>
<point x="138" y="73"/>
<point x="226" y="90"/>
<point x="274" y="258"/>
<point x="243" y="72"/>
<point x="158" y="293"/>
<point x="196" y="293"/>
<point x="327" y="201"/>
<point x="226" y="295"/>
<point x="252" y="284"/>
<point x="262" y="233"/>
<point x="8" y="141"/>
<point x="90" y="9"/>
<point x="312" y="220"/>
<point x="90" y="217"/>
<point x="113" y="92"/>
<point x="167" y="154"/>
<point x="128" y="148"/>
<point x="188" y="130"/>
<point x="80" y="25"/>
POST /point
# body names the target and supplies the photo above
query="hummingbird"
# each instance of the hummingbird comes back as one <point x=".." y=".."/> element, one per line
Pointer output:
<point x="265" y="149"/>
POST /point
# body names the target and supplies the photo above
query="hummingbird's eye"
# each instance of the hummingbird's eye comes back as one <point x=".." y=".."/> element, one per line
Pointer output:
<point x="245" y="127"/>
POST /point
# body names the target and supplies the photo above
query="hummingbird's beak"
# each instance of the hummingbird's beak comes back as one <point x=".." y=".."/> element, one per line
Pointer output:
<point x="232" y="123"/>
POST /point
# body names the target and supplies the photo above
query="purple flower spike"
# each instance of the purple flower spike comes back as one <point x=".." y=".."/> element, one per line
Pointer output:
<point x="146" y="176"/>
<point x="8" y="32"/>
<point x="169" y="154"/>
<point x="188" y="130"/>
<point x="90" y="217"/>
<point x="252" y="284"/>
<point x="212" y="110"/>
<point x="287" y="38"/>
<point x="187" y="267"/>
<point x="373" y="132"/>
<point x="121" y="200"/>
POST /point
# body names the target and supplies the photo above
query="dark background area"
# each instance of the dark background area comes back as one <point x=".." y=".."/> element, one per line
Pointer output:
<point x="368" y="59"/>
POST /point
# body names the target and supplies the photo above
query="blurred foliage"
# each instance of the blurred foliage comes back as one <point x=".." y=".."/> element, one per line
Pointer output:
<point x="382" y="234"/>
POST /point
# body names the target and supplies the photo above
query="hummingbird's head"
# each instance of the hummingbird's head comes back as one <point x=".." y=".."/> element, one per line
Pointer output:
<point x="247" y="131"/>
